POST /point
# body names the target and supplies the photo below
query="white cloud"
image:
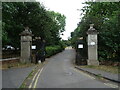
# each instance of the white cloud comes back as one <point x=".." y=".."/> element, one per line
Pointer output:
<point x="69" y="9"/>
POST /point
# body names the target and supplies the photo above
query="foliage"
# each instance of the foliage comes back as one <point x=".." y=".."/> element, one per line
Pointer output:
<point x="106" y="18"/>
<point x="66" y="43"/>
<point x="17" y="15"/>
<point x="51" y="50"/>
<point x="56" y="28"/>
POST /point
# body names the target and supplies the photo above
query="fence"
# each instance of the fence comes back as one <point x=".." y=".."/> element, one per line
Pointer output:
<point x="10" y="54"/>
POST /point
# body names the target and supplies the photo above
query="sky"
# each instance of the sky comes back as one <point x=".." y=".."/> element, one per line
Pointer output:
<point x="70" y="8"/>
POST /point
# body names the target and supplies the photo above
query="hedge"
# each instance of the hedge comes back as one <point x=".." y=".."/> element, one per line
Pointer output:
<point x="52" y="50"/>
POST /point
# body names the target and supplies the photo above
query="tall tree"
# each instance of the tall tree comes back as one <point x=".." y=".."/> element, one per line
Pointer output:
<point x="105" y="16"/>
<point x="17" y="15"/>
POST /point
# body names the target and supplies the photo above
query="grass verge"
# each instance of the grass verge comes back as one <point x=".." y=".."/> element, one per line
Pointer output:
<point x="112" y="69"/>
<point x="29" y="78"/>
<point x="16" y="65"/>
<point x="24" y="85"/>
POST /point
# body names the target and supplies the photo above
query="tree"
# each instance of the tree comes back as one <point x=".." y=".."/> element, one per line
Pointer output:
<point x="105" y="16"/>
<point x="17" y="15"/>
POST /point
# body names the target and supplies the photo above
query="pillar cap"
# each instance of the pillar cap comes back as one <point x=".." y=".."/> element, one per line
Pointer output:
<point x="26" y="32"/>
<point x="92" y="30"/>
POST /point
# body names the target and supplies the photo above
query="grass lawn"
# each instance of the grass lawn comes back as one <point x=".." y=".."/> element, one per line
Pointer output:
<point x="112" y="69"/>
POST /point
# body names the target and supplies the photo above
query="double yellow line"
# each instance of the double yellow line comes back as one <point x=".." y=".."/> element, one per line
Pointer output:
<point x="33" y="84"/>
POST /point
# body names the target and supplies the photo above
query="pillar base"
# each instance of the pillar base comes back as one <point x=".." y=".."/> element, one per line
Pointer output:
<point x="93" y="62"/>
<point x="25" y="61"/>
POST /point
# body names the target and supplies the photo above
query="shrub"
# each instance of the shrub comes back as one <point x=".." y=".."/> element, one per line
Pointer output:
<point x="52" y="50"/>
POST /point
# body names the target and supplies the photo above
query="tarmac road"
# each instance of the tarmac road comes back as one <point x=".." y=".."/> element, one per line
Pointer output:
<point x="60" y="73"/>
<point x="13" y="78"/>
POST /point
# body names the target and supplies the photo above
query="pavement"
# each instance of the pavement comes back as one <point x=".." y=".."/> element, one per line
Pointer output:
<point x="13" y="78"/>
<point x="106" y="75"/>
<point x="59" y="72"/>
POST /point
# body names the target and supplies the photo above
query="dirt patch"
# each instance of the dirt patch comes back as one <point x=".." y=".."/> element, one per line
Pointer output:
<point x="14" y="64"/>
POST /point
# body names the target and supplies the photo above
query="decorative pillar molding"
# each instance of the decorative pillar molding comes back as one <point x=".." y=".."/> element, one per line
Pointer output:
<point x="26" y="40"/>
<point x="92" y="46"/>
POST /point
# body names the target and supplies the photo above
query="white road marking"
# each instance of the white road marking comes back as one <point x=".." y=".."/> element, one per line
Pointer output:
<point x="111" y="85"/>
<point x="37" y="78"/>
<point x="83" y="73"/>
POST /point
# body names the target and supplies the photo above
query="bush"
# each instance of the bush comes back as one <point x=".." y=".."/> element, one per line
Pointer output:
<point x="52" y="50"/>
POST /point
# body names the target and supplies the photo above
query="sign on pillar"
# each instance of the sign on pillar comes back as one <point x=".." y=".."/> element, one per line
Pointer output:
<point x="92" y="46"/>
<point x="26" y="40"/>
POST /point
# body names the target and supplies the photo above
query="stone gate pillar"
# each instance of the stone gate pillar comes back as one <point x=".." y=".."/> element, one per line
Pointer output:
<point x="26" y="40"/>
<point x="92" y="46"/>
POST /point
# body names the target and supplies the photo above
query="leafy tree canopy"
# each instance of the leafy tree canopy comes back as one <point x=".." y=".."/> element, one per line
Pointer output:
<point x="17" y="15"/>
<point x="106" y="18"/>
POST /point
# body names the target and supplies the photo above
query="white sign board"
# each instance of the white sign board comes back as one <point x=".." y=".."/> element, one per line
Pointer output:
<point x="80" y="46"/>
<point x="33" y="47"/>
<point x="92" y="43"/>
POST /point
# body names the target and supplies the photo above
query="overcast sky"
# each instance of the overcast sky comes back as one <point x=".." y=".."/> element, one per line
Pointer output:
<point x="70" y="8"/>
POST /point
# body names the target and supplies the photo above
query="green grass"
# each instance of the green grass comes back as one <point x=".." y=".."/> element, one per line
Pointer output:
<point x="99" y="76"/>
<point x="23" y="86"/>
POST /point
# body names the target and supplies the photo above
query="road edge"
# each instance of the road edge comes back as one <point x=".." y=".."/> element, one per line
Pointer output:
<point x="97" y="75"/>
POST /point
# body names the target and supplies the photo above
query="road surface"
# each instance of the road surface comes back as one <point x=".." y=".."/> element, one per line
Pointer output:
<point x="14" y="77"/>
<point x="60" y="73"/>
